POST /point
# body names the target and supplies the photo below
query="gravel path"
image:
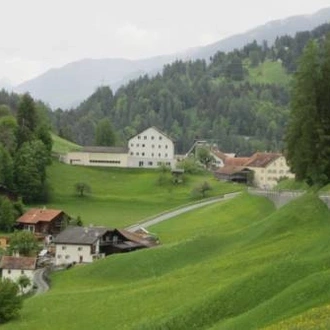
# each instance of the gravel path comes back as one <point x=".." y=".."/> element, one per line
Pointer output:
<point x="184" y="209"/>
<point x="39" y="281"/>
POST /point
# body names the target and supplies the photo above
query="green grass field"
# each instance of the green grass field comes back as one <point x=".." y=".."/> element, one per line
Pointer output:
<point x="121" y="197"/>
<point x="269" y="73"/>
<point x="62" y="146"/>
<point x="238" y="264"/>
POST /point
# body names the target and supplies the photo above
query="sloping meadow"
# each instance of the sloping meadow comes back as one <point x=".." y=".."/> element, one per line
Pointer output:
<point x="238" y="264"/>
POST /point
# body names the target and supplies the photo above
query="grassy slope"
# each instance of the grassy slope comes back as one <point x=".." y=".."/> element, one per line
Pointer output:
<point x="62" y="146"/>
<point x="235" y="265"/>
<point x="269" y="73"/>
<point x="121" y="196"/>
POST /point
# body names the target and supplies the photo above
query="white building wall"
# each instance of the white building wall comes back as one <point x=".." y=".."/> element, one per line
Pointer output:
<point x="68" y="253"/>
<point x="95" y="159"/>
<point x="15" y="274"/>
<point x="150" y="149"/>
<point x="268" y="176"/>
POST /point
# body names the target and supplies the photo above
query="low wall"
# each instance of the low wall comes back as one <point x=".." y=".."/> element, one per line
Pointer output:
<point x="279" y="198"/>
<point x="325" y="199"/>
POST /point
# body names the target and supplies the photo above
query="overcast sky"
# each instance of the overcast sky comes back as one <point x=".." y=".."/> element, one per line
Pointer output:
<point x="36" y="35"/>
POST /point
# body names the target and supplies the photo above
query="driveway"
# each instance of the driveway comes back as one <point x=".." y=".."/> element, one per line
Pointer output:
<point x="39" y="281"/>
<point x="172" y="214"/>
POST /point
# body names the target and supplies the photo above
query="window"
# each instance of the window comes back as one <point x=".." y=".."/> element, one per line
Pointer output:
<point x="80" y="248"/>
<point x="159" y="146"/>
<point x="153" y="146"/>
<point x="22" y="272"/>
<point x="132" y="153"/>
<point x="132" y="144"/>
<point x="142" y="154"/>
<point x="139" y="137"/>
<point x="9" y="271"/>
<point x="150" y="163"/>
<point x="166" y="146"/>
<point x="106" y="161"/>
<point x="137" y="145"/>
<point x="160" y="138"/>
<point x="137" y="154"/>
<point x="145" y="137"/>
<point x="152" y="155"/>
<point x="152" y="137"/>
<point x="143" y="145"/>
<point x="166" y="155"/>
<point x="59" y="256"/>
<point x="67" y="257"/>
<point x="159" y="154"/>
<point x="63" y="247"/>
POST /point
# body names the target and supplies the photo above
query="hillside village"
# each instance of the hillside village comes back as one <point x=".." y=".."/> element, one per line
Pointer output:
<point x="196" y="197"/>
<point x="152" y="148"/>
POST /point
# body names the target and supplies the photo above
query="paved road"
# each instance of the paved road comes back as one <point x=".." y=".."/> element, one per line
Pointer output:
<point x="39" y="281"/>
<point x="174" y="213"/>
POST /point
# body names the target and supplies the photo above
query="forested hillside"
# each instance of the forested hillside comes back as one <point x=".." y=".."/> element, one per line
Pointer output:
<point x="232" y="100"/>
<point x="25" y="150"/>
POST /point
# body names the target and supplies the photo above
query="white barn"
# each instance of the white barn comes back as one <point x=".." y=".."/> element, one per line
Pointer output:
<point x="148" y="149"/>
<point x="98" y="156"/>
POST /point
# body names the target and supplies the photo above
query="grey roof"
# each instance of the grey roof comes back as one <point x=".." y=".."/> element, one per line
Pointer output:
<point x="80" y="235"/>
<point x="107" y="150"/>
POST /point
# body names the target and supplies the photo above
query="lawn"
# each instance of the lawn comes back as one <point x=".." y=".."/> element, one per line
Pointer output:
<point x="237" y="264"/>
<point x="120" y="197"/>
<point x="269" y="72"/>
<point x="62" y="146"/>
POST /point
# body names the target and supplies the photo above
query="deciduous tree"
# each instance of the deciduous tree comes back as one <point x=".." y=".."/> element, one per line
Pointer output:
<point x="10" y="301"/>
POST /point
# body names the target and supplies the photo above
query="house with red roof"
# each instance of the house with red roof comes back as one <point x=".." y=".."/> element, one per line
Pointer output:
<point x="268" y="168"/>
<point x="43" y="221"/>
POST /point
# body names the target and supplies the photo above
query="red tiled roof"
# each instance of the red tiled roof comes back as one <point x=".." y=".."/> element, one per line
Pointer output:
<point x="26" y="263"/>
<point x="236" y="161"/>
<point x="262" y="159"/>
<point x="36" y="215"/>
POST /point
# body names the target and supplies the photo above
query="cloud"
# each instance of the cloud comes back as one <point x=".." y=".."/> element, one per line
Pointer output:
<point x="133" y="35"/>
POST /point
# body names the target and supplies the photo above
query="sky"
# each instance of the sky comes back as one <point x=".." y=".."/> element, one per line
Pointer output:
<point x="37" y="35"/>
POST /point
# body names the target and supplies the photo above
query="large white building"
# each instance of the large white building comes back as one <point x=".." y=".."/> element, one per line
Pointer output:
<point x="148" y="149"/>
<point x="151" y="148"/>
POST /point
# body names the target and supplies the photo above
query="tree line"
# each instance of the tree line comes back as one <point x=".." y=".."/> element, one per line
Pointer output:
<point x="308" y="133"/>
<point x="213" y="100"/>
<point x="25" y="152"/>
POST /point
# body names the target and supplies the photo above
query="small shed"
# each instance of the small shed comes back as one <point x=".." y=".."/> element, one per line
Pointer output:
<point x="237" y="174"/>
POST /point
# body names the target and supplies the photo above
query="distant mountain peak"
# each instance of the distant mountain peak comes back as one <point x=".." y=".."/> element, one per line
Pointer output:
<point x="66" y="86"/>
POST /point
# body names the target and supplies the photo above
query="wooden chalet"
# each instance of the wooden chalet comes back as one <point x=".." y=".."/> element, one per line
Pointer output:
<point x="43" y="221"/>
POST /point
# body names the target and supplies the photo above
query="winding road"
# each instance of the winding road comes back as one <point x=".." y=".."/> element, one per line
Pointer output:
<point x="42" y="285"/>
<point x="171" y="214"/>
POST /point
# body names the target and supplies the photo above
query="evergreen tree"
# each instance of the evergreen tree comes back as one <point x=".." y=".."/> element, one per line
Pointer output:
<point x="105" y="135"/>
<point x="323" y="132"/>
<point x="26" y="119"/>
<point x="301" y="137"/>
<point x="30" y="171"/>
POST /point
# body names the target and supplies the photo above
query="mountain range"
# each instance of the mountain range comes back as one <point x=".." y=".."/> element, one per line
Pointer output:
<point x="67" y="86"/>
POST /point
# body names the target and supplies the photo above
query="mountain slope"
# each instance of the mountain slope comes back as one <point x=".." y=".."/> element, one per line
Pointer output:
<point x="220" y="267"/>
<point x="67" y="86"/>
